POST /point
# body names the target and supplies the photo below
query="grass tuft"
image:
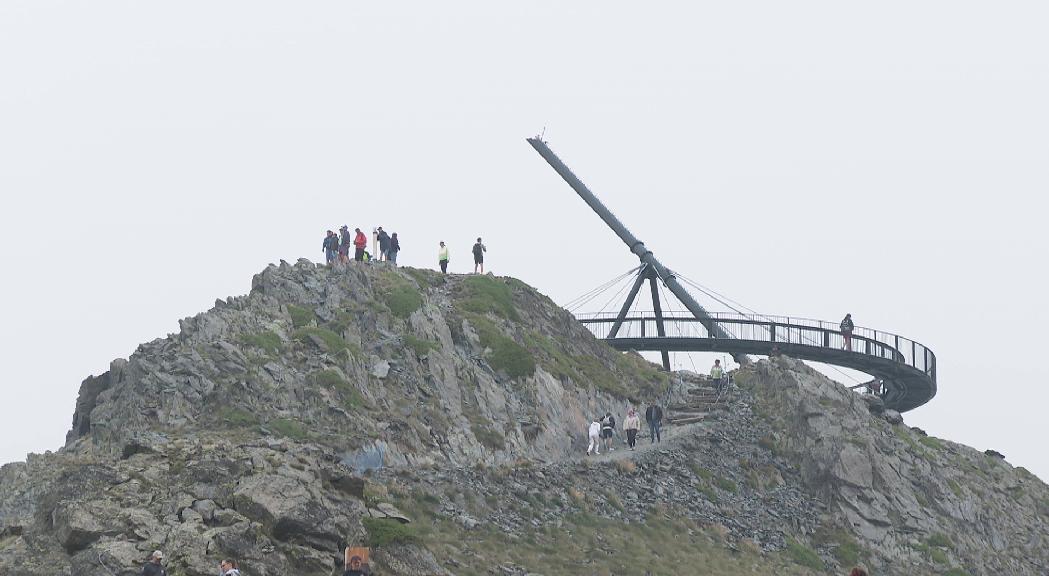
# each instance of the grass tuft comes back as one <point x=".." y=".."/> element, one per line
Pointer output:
<point x="485" y="294"/>
<point x="300" y="316"/>
<point x="290" y="428"/>
<point x="803" y="555"/>
<point x="507" y="354"/>
<point x="383" y="532"/>
<point x="421" y="346"/>
<point x="268" y="341"/>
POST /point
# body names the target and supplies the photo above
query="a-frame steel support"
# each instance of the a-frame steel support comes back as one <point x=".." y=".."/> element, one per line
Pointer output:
<point x="660" y="328"/>
<point x="641" y="275"/>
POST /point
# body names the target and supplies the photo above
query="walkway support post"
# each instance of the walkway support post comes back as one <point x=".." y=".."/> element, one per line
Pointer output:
<point x="635" y="245"/>
<point x="629" y="300"/>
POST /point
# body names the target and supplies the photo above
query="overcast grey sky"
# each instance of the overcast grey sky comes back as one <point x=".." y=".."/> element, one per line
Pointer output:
<point x="806" y="158"/>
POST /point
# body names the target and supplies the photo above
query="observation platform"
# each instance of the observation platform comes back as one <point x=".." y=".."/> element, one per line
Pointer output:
<point x="906" y="368"/>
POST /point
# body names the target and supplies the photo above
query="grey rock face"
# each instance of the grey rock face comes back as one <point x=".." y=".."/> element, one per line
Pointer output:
<point x="279" y="426"/>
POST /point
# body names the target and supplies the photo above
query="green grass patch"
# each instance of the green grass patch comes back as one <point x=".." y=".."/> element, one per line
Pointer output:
<point x="931" y="442"/>
<point x="506" y="354"/>
<point x="351" y="397"/>
<point x="701" y="471"/>
<point x="904" y="434"/>
<point x="289" y="428"/>
<point x="726" y="484"/>
<point x="425" y="277"/>
<point x="239" y="417"/>
<point x="708" y="492"/>
<point x="956" y="572"/>
<point x="383" y="532"/>
<point x="487" y="437"/>
<point x="845" y="548"/>
<point x="300" y="316"/>
<point x="803" y="555"/>
<point x="939" y="541"/>
<point x="938" y="556"/>
<point x="403" y="300"/>
<point x="955" y="487"/>
<point x="421" y="346"/>
<point x="268" y="341"/>
<point x="487" y="295"/>
<point x="331" y="342"/>
<point x="649" y="379"/>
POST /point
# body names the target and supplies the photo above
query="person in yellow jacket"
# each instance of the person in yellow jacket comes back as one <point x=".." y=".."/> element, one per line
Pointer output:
<point x="717" y="375"/>
<point x="442" y="258"/>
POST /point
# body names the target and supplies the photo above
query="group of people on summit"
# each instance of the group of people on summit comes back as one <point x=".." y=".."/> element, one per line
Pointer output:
<point x="336" y="248"/>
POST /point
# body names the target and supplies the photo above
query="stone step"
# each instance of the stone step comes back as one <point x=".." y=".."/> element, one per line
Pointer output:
<point x="690" y="420"/>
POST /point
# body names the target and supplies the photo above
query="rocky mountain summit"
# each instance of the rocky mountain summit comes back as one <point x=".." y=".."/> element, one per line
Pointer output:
<point x="441" y="421"/>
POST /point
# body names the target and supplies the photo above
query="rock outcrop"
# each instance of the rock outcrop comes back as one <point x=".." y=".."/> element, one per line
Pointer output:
<point x="440" y="419"/>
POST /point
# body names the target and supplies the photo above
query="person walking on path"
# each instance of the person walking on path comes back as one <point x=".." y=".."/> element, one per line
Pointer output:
<point x="360" y="242"/>
<point x="229" y="568"/>
<point x="632" y="424"/>
<point x="654" y="417"/>
<point x="395" y="247"/>
<point x="717" y="375"/>
<point x="442" y="258"/>
<point x="330" y="247"/>
<point x="384" y="245"/>
<point x="846" y="331"/>
<point x="479" y="250"/>
<point x="344" y="244"/>
<point x="594" y="432"/>
<point x="608" y="427"/>
<point x="153" y="567"/>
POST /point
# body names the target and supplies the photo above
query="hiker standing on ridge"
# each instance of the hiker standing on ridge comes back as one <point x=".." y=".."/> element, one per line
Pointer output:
<point x="395" y="247"/>
<point x="846" y="331"/>
<point x="330" y="247"/>
<point x="654" y="417"/>
<point x="344" y="244"/>
<point x="608" y="426"/>
<point x="360" y="242"/>
<point x="717" y="375"/>
<point x="632" y="424"/>
<point x="594" y="432"/>
<point x="153" y="567"/>
<point x="479" y="250"/>
<point x="442" y="258"/>
<point x="384" y="244"/>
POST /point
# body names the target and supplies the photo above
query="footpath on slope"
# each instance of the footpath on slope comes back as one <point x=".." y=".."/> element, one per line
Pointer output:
<point x="671" y="435"/>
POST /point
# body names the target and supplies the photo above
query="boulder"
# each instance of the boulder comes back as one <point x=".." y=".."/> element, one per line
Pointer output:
<point x="893" y="417"/>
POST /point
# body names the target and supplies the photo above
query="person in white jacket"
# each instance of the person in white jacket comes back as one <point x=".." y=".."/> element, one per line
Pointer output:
<point x="595" y="437"/>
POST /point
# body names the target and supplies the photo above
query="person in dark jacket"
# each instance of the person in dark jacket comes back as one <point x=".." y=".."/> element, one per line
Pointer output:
<point x="153" y="567"/>
<point x="344" y="244"/>
<point x="395" y="247"/>
<point x="608" y="428"/>
<point x="330" y="247"/>
<point x="654" y="417"/>
<point x="384" y="244"/>
<point x="479" y="250"/>
<point x="846" y="331"/>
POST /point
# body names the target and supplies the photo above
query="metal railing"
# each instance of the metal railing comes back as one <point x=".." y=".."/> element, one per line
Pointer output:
<point x="771" y="330"/>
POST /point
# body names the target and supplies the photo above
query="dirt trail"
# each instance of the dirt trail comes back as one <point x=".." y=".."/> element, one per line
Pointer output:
<point x="670" y="435"/>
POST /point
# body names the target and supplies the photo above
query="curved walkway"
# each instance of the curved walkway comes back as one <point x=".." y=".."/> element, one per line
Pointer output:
<point x="906" y="368"/>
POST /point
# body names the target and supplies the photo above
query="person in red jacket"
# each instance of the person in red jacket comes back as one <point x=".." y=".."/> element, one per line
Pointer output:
<point x="360" y="242"/>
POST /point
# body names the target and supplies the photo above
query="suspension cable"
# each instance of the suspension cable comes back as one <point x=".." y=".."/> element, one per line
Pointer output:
<point x="584" y="299"/>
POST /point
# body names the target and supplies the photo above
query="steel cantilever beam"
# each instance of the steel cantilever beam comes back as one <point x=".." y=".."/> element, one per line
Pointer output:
<point x="636" y="246"/>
